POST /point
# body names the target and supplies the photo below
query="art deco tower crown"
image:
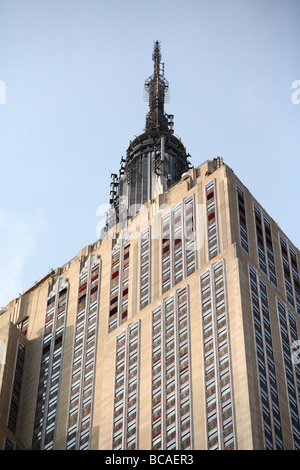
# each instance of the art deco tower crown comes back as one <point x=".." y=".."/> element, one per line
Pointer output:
<point x="156" y="159"/>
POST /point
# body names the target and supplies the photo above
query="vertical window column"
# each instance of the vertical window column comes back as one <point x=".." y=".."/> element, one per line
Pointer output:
<point x="288" y="331"/>
<point x="286" y="271"/>
<point x="242" y="218"/>
<point x="166" y="253"/>
<point x="158" y="419"/>
<point x="169" y="382"/>
<point x="178" y="235"/>
<point x="190" y="235"/>
<point x="296" y="281"/>
<point x="177" y="244"/>
<point x="294" y="336"/>
<point x="266" y="259"/>
<point x="145" y="268"/>
<point x="120" y="374"/>
<point x="211" y="219"/>
<point x="84" y="357"/>
<point x="124" y="282"/>
<point x="171" y="374"/>
<point x="183" y="368"/>
<point x="269" y="401"/>
<point x="119" y="282"/>
<point x="16" y="389"/>
<point x="260" y="240"/>
<point x="46" y="412"/>
<point x="114" y="289"/>
<point x="126" y="395"/>
<point x="220" y="425"/>
<point x="270" y="251"/>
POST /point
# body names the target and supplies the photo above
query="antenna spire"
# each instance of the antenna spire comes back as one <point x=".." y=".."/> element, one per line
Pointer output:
<point x="157" y="87"/>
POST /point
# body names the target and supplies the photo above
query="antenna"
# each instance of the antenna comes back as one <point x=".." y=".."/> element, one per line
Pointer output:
<point x="157" y="88"/>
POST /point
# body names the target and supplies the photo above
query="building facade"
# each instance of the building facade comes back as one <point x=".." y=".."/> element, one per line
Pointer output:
<point x="178" y="329"/>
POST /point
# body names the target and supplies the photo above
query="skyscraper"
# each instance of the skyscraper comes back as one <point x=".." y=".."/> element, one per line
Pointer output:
<point x="177" y="329"/>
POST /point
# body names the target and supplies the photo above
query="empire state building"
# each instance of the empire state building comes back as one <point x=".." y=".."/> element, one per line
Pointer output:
<point x="176" y="330"/>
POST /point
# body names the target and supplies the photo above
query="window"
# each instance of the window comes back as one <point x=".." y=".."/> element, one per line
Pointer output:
<point x="23" y="325"/>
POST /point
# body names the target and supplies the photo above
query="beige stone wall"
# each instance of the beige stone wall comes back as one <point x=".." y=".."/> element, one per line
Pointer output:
<point x="104" y="390"/>
<point x="245" y="385"/>
<point x="10" y="336"/>
<point x="273" y="293"/>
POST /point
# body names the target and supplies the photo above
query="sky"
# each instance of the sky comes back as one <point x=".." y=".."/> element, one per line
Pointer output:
<point x="72" y="75"/>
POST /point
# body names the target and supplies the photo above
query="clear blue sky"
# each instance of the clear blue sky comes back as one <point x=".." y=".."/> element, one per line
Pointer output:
<point x="74" y="72"/>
